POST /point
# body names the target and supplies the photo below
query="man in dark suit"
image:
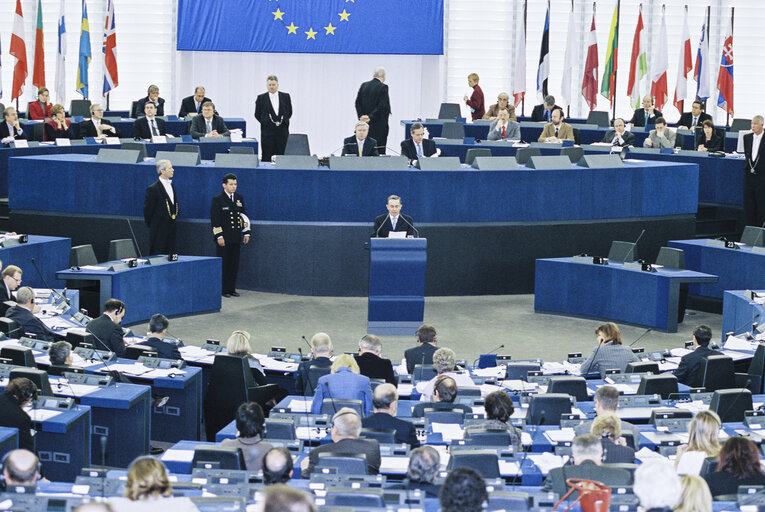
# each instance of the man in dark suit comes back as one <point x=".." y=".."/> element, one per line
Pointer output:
<point x="229" y="230"/>
<point x="693" y="119"/>
<point x="321" y="348"/>
<point x="394" y="220"/>
<point x="360" y="144"/>
<point x="370" y="360"/>
<point x="19" y="393"/>
<point x="543" y="112"/>
<point x="23" y="314"/>
<point x="96" y="126"/>
<point x="754" y="177"/>
<point x="106" y="330"/>
<point x="444" y="395"/>
<point x="345" y="431"/>
<point x="645" y="115"/>
<point x="373" y="107"/>
<point x="148" y="126"/>
<point x="11" y="129"/>
<point x="423" y="352"/>
<point x="273" y="110"/>
<point x="11" y="280"/>
<point x="153" y="98"/>
<point x="385" y="401"/>
<point x="687" y="371"/>
<point x="417" y="146"/>
<point x="156" y="338"/>
<point x="208" y="124"/>
<point x="618" y="136"/>
<point x="160" y="209"/>
<point x="192" y="105"/>
<point x="587" y="453"/>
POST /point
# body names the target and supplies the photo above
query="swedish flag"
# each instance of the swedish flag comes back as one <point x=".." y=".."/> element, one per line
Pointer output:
<point x="84" y="59"/>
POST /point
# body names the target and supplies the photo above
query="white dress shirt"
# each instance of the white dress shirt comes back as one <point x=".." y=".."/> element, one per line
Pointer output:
<point x="756" y="139"/>
<point x="274" y="97"/>
<point x="393" y="222"/>
<point x="360" y="146"/>
<point x="168" y="184"/>
<point x="152" y="125"/>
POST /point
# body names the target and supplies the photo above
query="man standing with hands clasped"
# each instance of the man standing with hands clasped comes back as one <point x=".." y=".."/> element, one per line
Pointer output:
<point x="231" y="229"/>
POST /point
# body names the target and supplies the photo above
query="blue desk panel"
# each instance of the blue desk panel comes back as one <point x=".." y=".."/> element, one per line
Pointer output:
<point x="611" y="292"/>
<point x="739" y="313"/>
<point x="174" y="126"/>
<point x="738" y="269"/>
<point x="50" y="253"/>
<point x="63" y="444"/>
<point x="639" y="189"/>
<point x="189" y="285"/>
<point x="9" y="440"/>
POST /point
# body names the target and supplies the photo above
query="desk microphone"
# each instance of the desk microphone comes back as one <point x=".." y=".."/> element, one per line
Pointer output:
<point x="42" y="278"/>
<point x="492" y="351"/>
<point x="629" y="253"/>
<point x="650" y="329"/>
<point x="307" y="343"/>
<point x="135" y="242"/>
<point x="377" y="233"/>
<point x="416" y="231"/>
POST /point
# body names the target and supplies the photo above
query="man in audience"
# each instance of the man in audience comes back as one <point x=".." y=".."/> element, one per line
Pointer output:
<point x="360" y="144"/>
<point x="371" y="362"/>
<point x="18" y="394"/>
<point x="618" y="135"/>
<point x="192" y="105"/>
<point x="606" y="402"/>
<point x="503" y="128"/>
<point x="693" y="119"/>
<point x="661" y="136"/>
<point x="444" y="395"/>
<point x="544" y="111"/>
<point x="149" y="126"/>
<point x="11" y="280"/>
<point x="345" y="431"/>
<point x="282" y="498"/>
<point x="394" y="220"/>
<point x="690" y="364"/>
<point x="423" y="352"/>
<point x="445" y="363"/>
<point x="278" y="467"/>
<point x="321" y="348"/>
<point x="160" y="210"/>
<point x="501" y="104"/>
<point x="60" y="353"/>
<point x="385" y="402"/>
<point x="645" y="115"/>
<point x="23" y="314"/>
<point x="229" y="231"/>
<point x="557" y="131"/>
<point x="273" y="110"/>
<point x="754" y="172"/>
<point x="417" y="146"/>
<point x="424" y="465"/>
<point x="11" y="129"/>
<point x="209" y="124"/>
<point x="106" y="330"/>
<point x="373" y="107"/>
<point x="657" y="485"/>
<point x="250" y="428"/>
<point x="155" y="338"/>
<point x="97" y="126"/>
<point x="153" y="98"/>
<point x="21" y="468"/>
<point x="464" y="490"/>
<point x="587" y="453"/>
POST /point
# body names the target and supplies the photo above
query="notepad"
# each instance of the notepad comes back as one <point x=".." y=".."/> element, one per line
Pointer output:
<point x="178" y="455"/>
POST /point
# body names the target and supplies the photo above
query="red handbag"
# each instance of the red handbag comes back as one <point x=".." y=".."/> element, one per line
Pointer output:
<point x="593" y="496"/>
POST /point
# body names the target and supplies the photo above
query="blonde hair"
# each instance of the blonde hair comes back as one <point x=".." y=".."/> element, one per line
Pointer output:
<point x="695" y="496"/>
<point x="55" y="109"/>
<point x="703" y="433"/>
<point x="607" y="424"/>
<point x="147" y="477"/>
<point x="345" y="361"/>
<point x="238" y="343"/>
<point x="473" y="76"/>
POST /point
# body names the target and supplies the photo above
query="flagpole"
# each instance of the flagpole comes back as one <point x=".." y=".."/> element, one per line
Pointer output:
<point x="525" y="13"/>
<point x="682" y="102"/>
<point x="709" y="14"/>
<point x="107" y="101"/>
<point x="727" y="113"/>
<point x="568" y="107"/>
<point x="616" y="59"/>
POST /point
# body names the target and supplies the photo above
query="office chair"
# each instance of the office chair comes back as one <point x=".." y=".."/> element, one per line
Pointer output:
<point x="79" y="108"/>
<point x="599" y="118"/>
<point x="621" y="251"/>
<point x="444" y="416"/>
<point x="313" y="375"/>
<point x="20" y="356"/>
<point x="82" y="255"/>
<point x="297" y="144"/>
<point x="476" y="152"/>
<point x="487" y="437"/>
<point x="218" y="457"/>
<point x="573" y="386"/>
<point x="9" y="327"/>
<point x="423" y="372"/>
<point x="231" y="384"/>
<point x="344" y="464"/>
<point x="546" y="408"/>
<point x="642" y="367"/>
<point x="663" y="385"/>
<point x="453" y="131"/>
<point x="518" y="370"/>
<point x="753" y="235"/>
<point x="731" y="404"/>
<point x="449" y="111"/>
<point x="332" y="405"/>
<point x="39" y="377"/>
<point x="716" y="373"/>
<point x="363" y="498"/>
<point x="121" y="249"/>
<point x="382" y="435"/>
<point x="484" y="462"/>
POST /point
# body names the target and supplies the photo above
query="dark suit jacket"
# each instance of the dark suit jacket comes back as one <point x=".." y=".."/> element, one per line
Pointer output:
<point x="405" y="431"/>
<point x="409" y="150"/>
<point x="616" y="453"/>
<point x="4" y="297"/>
<point x="198" y="129"/>
<point x="690" y="364"/>
<point x="368" y="447"/>
<point x="350" y="147"/>
<point x="189" y="106"/>
<point x="725" y="482"/>
<point x="141" y="129"/>
<point x="638" y="117"/>
<point x="51" y="132"/>
<point x="430" y="490"/>
<point x="759" y="165"/>
<point x="5" y="133"/>
<point x="164" y="350"/>
<point x="687" y="118"/>
<point x="372" y="100"/>
<point x="302" y="385"/>
<point x="556" y="479"/>
<point x="376" y="367"/>
<point x="108" y="335"/>
<point x="539" y="114"/>
<point x="264" y="112"/>
<point x="13" y="416"/>
<point x="155" y="207"/>
<point x="30" y="323"/>
<point x="418" y="411"/>
<point x="88" y="129"/>
<point x="714" y="144"/>
<point x="383" y="225"/>
<point x="421" y="354"/>
<point x="627" y="137"/>
<point x="142" y="104"/>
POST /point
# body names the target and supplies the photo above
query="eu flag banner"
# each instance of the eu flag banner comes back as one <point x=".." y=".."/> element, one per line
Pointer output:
<point x="312" y="26"/>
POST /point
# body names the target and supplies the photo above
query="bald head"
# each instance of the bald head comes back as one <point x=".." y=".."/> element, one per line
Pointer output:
<point x="20" y="468"/>
<point x="277" y="466"/>
<point x="385" y="399"/>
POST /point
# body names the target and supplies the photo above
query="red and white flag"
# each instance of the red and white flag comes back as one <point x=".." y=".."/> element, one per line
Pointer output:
<point x="684" y="65"/>
<point x="659" y="68"/>
<point x="725" y="76"/>
<point x="18" y="50"/>
<point x="109" y="47"/>
<point x="590" y="80"/>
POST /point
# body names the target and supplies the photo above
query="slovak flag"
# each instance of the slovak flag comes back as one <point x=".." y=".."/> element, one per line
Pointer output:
<point x="109" y="48"/>
<point x="725" y="76"/>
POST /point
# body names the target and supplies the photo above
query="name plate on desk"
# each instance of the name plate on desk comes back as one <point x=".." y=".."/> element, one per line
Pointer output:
<point x="20" y="143"/>
<point x="582" y="259"/>
<point x="639" y="265"/>
<point x="159" y="139"/>
<point x="758" y="250"/>
<point x="722" y="244"/>
<point x="63" y="142"/>
<point x="112" y="141"/>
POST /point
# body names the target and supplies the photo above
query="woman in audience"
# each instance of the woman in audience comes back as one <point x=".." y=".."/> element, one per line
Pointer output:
<point x="499" y="408"/>
<point x="148" y="489"/>
<point x="445" y="363"/>
<point x="610" y="353"/>
<point x="608" y="427"/>
<point x="40" y="109"/>
<point x="344" y="382"/>
<point x="250" y="425"/>
<point x="238" y="344"/>
<point x="657" y="486"/>
<point x="59" y="127"/>
<point x="703" y="442"/>
<point x="708" y="139"/>
<point x="696" y="496"/>
<point x="739" y="465"/>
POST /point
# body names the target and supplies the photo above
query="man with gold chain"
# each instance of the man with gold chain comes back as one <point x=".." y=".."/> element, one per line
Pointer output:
<point x="160" y="210"/>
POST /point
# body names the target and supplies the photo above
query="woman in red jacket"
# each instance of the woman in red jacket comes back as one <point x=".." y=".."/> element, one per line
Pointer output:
<point x="58" y="127"/>
<point x="40" y="109"/>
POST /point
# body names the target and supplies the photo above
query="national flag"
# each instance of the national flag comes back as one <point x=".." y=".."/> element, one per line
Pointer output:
<point x="519" y="75"/>
<point x="725" y="76"/>
<point x="543" y="71"/>
<point x="61" y="58"/>
<point x="638" y="65"/>
<point x="18" y="50"/>
<point x="590" y="80"/>
<point x="84" y="58"/>
<point x="684" y="65"/>
<point x="38" y="74"/>
<point x="701" y="73"/>
<point x="659" y="68"/>
<point x="1" y="69"/>
<point x="570" y="60"/>
<point x="109" y="48"/>
<point x="608" y="85"/>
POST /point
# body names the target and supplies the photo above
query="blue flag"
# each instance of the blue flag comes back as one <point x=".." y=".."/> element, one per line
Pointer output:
<point x="84" y="59"/>
<point x="312" y="26"/>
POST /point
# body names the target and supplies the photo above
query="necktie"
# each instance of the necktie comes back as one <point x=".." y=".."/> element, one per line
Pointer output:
<point x="98" y="128"/>
<point x="231" y="197"/>
<point x="393" y="223"/>
<point x="548" y="115"/>
<point x="556" y="133"/>
<point x="361" y="147"/>
<point x="419" y="149"/>
<point x="695" y="120"/>
<point x="208" y="125"/>
<point x="503" y="132"/>
<point x="154" y="130"/>
<point x="198" y="105"/>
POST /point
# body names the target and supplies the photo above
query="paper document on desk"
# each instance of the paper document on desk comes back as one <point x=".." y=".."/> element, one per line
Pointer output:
<point x="63" y="387"/>
<point x="736" y="343"/>
<point x="646" y="453"/>
<point x="518" y="385"/>
<point x="395" y="465"/>
<point x="449" y="431"/>
<point x="679" y="352"/>
<point x="547" y="461"/>
<point x="405" y="389"/>
<point x="559" y="367"/>
<point x="667" y="365"/>
<point x="178" y="455"/>
<point x="92" y="267"/>
<point x="658" y="437"/>
<point x="161" y="373"/>
<point x="560" y="436"/>
<point x="310" y="433"/>
<point x="299" y="405"/>
<point x="129" y="369"/>
<point x="487" y="389"/>
<point x="494" y="371"/>
<point x="42" y="414"/>
<point x="526" y="439"/>
<point x="279" y="366"/>
<point x="509" y="468"/>
<point x="694" y="406"/>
